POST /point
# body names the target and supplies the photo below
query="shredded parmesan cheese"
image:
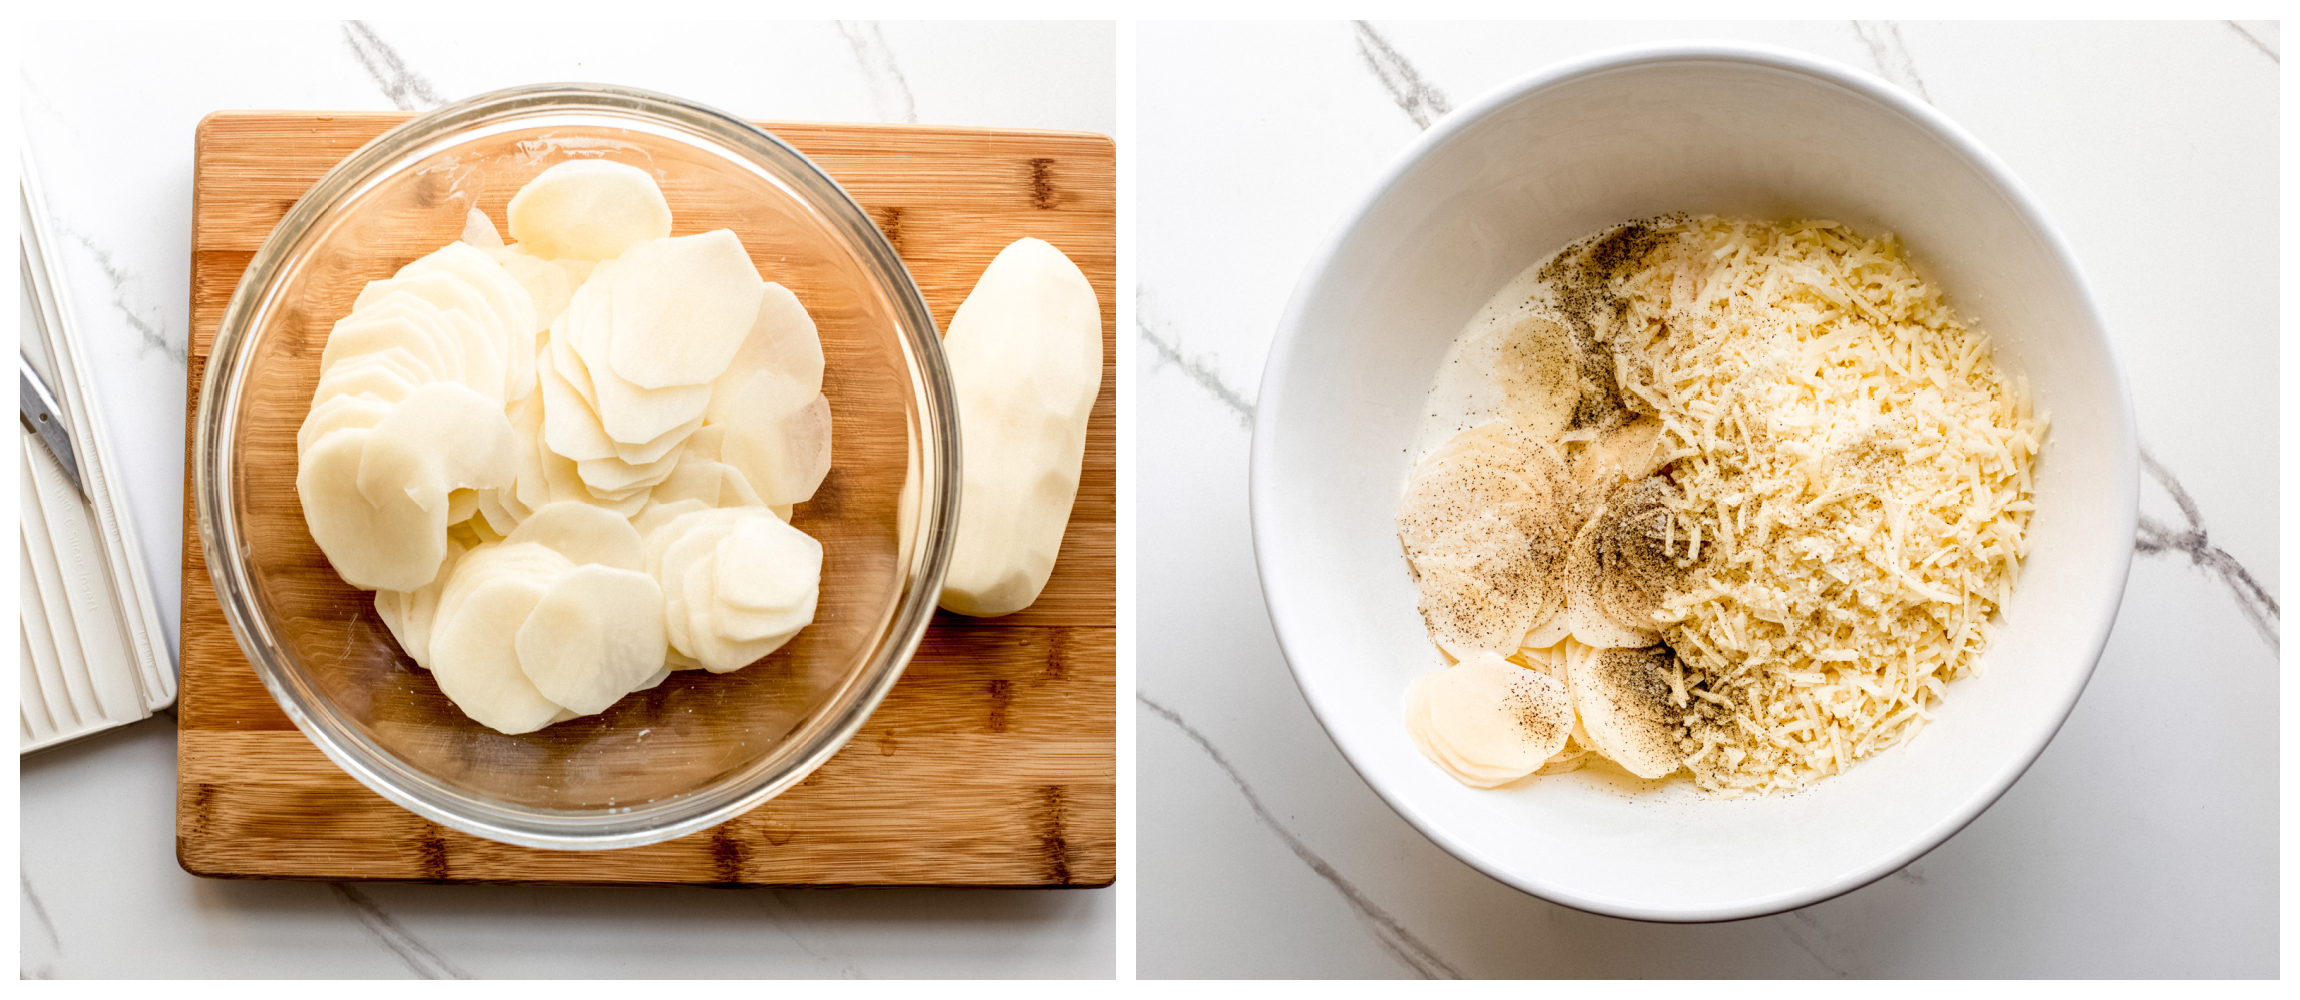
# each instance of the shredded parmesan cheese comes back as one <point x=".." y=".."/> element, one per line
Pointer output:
<point x="1855" y="481"/>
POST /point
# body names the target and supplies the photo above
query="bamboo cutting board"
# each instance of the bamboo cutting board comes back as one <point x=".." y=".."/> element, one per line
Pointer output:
<point x="993" y="761"/>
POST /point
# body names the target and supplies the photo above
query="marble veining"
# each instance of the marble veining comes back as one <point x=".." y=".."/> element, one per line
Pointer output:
<point x="1790" y="923"/>
<point x="47" y="927"/>
<point x="419" y="958"/>
<point x="1392" y="935"/>
<point x="2157" y="538"/>
<point x="889" y="90"/>
<point x="1197" y="370"/>
<point x="407" y="90"/>
<point x="1890" y="52"/>
<point x="151" y="330"/>
<point x="2264" y="47"/>
<point x="1417" y="98"/>
<point x="783" y="915"/>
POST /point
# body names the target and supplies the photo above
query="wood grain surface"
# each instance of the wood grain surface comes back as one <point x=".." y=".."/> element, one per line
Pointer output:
<point x="993" y="761"/>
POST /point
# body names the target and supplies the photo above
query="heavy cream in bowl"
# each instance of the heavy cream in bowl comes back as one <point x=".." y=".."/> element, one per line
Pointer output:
<point x="1508" y="181"/>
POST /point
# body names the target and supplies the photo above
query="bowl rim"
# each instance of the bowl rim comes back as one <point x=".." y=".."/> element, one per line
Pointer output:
<point x="1292" y="336"/>
<point x="927" y="555"/>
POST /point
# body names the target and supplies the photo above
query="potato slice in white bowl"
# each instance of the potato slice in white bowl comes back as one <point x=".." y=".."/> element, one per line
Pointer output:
<point x="1624" y="700"/>
<point x="588" y="210"/>
<point x="1492" y="720"/>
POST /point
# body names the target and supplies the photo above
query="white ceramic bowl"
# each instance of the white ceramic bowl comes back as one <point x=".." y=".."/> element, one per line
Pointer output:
<point x="1512" y="178"/>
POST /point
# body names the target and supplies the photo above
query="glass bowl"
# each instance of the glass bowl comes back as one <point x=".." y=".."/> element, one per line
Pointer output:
<point x="700" y="748"/>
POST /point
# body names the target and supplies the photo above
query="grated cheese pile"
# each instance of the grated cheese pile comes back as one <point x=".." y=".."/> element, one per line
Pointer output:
<point x="1854" y="477"/>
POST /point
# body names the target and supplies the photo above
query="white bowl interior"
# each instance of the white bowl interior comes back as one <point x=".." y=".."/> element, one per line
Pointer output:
<point x="1512" y="179"/>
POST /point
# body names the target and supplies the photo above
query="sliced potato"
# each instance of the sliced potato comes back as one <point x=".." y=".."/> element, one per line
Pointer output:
<point x="661" y="512"/>
<point x="595" y="636"/>
<point x="548" y="285"/>
<point x="653" y="451"/>
<point x="425" y="340"/>
<point x="569" y="425"/>
<point x="682" y="307"/>
<point x="588" y="210"/>
<point x="475" y="659"/>
<point x="410" y="613"/>
<point x="376" y="376"/>
<point x="1623" y="696"/>
<point x="584" y="534"/>
<point x="338" y="413"/>
<point x="507" y="299"/>
<point x="442" y="437"/>
<point x="497" y="511"/>
<point x="1492" y="721"/>
<point x="765" y="580"/>
<point x="395" y="545"/>
<point x="445" y="291"/>
<point x="783" y="340"/>
<point x="777" y="438"/>
<point x="612" y="476"/>
<point x="497" y="560"/>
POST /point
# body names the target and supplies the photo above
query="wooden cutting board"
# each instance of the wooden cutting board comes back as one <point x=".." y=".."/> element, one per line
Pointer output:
<point x="994" y="760"/>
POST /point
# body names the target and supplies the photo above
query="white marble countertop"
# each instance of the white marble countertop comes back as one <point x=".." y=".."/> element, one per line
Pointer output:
<point x="1261" y="853"/>
<point x="108" y="112"/>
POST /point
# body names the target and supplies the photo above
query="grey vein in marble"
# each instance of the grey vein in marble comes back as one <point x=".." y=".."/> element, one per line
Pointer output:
<point x="1392" y="935"/>
<point x="1814" y="924"/>
<point x="779" y="911"/>
<point x="407" y="90"/>
<point x="417" y="956"/>
<point x="151" y="334"/>
<point x="1197" y="370"/>
<point x="1414" y="96"/>
<point x="889" y="91"/>
<point x="2256" y="42"/>
<point x="2158" y="538"/>
<point x="47" y="926"/>
<point x="1890" y="52"/>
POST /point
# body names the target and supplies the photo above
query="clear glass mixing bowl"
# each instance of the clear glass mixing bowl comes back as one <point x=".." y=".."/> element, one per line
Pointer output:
<point x="701" y="748"/>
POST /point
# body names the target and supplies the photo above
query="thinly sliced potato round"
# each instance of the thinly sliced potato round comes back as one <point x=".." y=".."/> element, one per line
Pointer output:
<point x="596" y="635"/>
<point x="441" y="438"/>
<point x="395" y="545"/>
<point x="681" y="308"/>
<point x="475" y="658"/>
<point x="584" y="534"/>
<point x="588" y="210"/>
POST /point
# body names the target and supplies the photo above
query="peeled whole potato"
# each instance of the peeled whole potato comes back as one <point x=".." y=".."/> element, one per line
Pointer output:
<point x="1025" y="354"/>
<point x="588" y="210"/>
